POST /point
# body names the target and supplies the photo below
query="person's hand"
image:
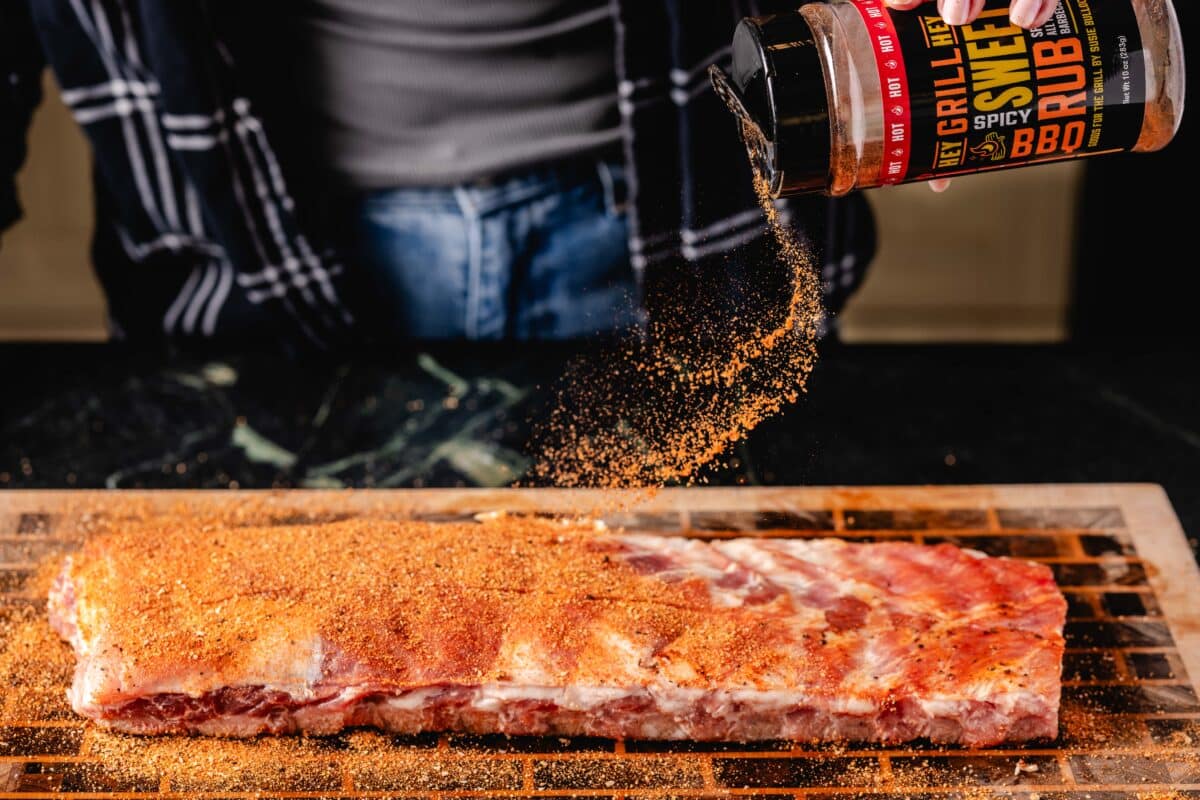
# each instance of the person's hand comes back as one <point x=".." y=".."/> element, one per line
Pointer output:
<point x="1023" y="13"/>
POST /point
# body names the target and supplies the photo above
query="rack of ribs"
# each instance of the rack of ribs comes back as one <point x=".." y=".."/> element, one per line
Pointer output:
<point x="532" y="626"/>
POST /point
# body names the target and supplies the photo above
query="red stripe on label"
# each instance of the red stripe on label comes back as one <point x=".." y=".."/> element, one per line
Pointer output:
<point x="893" y="85"/>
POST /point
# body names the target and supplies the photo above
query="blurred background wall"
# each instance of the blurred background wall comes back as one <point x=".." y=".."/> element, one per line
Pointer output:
<point x="47" y="290"/>
<point x="990" y="261"/>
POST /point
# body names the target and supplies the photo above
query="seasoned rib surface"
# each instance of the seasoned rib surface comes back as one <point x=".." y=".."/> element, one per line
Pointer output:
<point x="529" y="626"/>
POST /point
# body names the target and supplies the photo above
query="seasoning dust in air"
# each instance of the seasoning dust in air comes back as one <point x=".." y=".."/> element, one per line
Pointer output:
<point x="732" y="345"/>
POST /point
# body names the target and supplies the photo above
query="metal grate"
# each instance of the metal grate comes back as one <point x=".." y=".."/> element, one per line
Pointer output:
<point x="1130" y="718"/>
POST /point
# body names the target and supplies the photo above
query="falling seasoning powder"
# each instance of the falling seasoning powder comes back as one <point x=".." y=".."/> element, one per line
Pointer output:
<point x="661" y="409"/>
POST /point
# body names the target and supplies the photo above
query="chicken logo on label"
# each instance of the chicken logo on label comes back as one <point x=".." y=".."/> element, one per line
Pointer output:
<point x="992" y="148"/>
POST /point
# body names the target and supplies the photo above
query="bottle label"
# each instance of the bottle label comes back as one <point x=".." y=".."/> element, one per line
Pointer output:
<point x="990" y="95"/>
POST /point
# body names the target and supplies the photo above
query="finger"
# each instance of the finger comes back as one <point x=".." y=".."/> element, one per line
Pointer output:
<point x="939" y="185"/>
<point x="1048" y="11"/>
<point x="959" y="12"/>
<point x="1024" y="13"/>
<point x="904" y="5"/>
<point x="954" y="12"/>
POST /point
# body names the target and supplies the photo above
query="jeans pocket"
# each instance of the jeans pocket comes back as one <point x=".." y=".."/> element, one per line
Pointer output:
<point x="616" y="188"/>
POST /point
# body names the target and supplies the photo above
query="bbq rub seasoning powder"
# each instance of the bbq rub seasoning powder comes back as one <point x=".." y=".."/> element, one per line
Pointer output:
<point x="849" y="94"/>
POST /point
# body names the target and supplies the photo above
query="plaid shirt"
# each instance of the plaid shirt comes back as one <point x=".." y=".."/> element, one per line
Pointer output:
<point x="207" y="229"/>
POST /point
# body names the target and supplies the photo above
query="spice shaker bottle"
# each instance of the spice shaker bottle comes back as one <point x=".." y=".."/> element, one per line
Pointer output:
<point x="847" y="94"/>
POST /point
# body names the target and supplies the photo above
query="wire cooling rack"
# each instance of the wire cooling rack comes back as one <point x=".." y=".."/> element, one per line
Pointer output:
<point x="1130" y="722"/>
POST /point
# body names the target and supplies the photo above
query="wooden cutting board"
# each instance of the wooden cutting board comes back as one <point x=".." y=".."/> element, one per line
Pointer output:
<point x="1130" y="722"/>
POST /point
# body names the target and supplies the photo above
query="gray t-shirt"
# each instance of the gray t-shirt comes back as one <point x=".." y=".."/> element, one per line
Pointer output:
<point x="436" y="92"/>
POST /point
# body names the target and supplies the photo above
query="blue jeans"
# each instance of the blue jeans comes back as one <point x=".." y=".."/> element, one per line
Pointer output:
<point x="541" y="255"/>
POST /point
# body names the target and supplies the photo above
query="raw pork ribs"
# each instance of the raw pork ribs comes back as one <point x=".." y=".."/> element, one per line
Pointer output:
<point x="531" y="626"/>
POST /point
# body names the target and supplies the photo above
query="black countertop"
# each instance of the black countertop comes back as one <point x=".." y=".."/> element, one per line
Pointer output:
<point x="100" y="415"/>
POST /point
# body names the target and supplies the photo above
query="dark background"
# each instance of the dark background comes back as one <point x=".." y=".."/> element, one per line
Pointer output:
<point x="1135" y="268"/>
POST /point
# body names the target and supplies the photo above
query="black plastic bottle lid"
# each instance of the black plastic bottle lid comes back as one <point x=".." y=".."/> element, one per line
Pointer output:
<point x="776" y="82"/>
